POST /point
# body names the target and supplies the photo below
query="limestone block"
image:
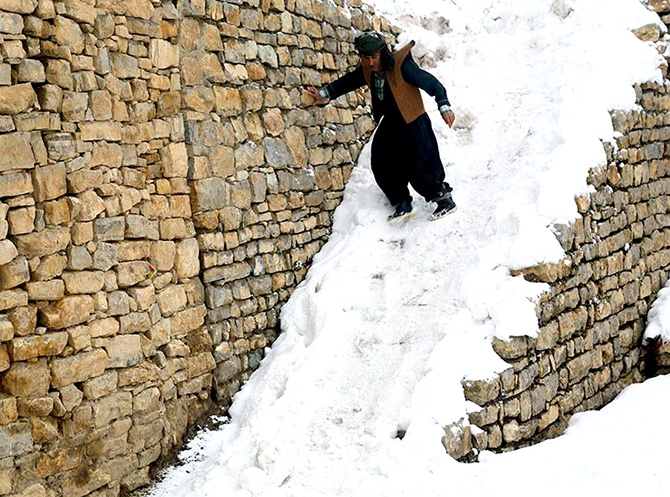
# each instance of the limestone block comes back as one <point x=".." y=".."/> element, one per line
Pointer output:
<point x="25" y="379"/>
<point x="131" y="273"/>
<point x="84" y="179"/>
<point x="79" y="337"/>
<point x="13" y="51"/>
<point x="5" y="74"/>
<point x="227" y="101"/>
<point x="57" y="212"/>
<point x="481" y="392"/>
<point x="79" y="282"/>
<point x="67" y="312"/>
<point x="141" y="227"/>
<point x="511" y="349"/>
<point x="118" y="303"/>
<point x="135" y="322"/>
<point x="457" y="439"/>
<point x="60" y="146"/>
<point x="200" y="364"/>
<point x="142" y="9"/>
<point x="11" y="24"/>
<point x="163" y="54"/>
<point x="101" y="386"/>
<point x="187" y="261"/>
<point x="24" y="320"/>
<point x="187" y="320"/>
<point x="27" y="348"/>
<point x="78" y="258"/>
<point x="21" y="221"/>
<point x="579" y="367"/>
<point x="69" y="34"/>
<point x="6" y="329"/>
<point x="171" y="299"/>
<point x="112" y="407"/>
<point x="8" y="252"/>
<point x="240" y="195"/>
<point x="14" y="273"/>
<point x="107" y="154"/>
<point x="8" y="411"/>
<point x="4" y="358"/>
<point x="180" y="206"/>
<point x="110" y="229"/>
<point x="160" y="333"/>
<point x="658" y="5"/>
<point x="18" y="6"/>
<point x="74" y="106"/>
<point x="249" y="155"/>
<point x="43" y="243"/>
<point x="32" y="71"/>
<point x="78" y="368"/>
<point x="36" y="406"/>
<point x="103" y="130"/>
<point x="59" y="73"/>
<point x="277" y="152"/>
<point x="60" y="461"/>
<point x="49" y="182"/>
<point x="14" y="184"/>
<point x="295" y="139"/>
<point x="76" y="485"/>
<point x="50" y="267"/>
<point x="124" y="66"/>
<point x="147" y="400"/>
<point x="80" y="11"/>
<point x="210" y="194"/>
<point x="228" y="273"/>
<point x="174" y="160"/>
<point x="104" y="327"/>
<point x="124" y="351"/>
<point x="17" y="151"/>
<point x="15" y="439"/>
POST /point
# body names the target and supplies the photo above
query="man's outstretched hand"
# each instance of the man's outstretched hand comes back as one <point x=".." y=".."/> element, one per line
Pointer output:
<point x="316" y="96"/>
<point x="449" y="118"/>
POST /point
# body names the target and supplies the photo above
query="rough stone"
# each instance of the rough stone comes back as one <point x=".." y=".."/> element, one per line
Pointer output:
<point x="25" y="379"/>
<point x="17" y="99"/>
<point x="78" y="368"/>
<point x="69" y="311"/>
<point x="17" y="151"/>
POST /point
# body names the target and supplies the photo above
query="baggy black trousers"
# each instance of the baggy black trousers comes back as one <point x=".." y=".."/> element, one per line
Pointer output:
<point x="405" y="154"/>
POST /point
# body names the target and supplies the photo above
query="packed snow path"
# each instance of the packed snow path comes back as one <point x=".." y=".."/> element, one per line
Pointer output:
<point x="391" y="318"/>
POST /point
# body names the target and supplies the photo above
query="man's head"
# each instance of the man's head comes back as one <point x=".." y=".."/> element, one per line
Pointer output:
<point x="374" y="51"/>
<point x="369" y="43"/>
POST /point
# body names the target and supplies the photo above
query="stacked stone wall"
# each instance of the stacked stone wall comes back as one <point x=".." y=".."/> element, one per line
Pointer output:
<point x="590" y="344"/>
<point x="163" y="188"/>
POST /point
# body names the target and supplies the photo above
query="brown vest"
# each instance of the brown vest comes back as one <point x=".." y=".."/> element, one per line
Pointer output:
<point x="407" y="96"/>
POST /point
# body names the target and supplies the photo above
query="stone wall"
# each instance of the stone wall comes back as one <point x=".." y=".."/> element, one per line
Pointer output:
<point x="163" y="188"/>
<point x="592" y="319"/>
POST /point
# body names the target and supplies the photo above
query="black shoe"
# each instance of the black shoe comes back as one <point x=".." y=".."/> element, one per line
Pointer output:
<point x="444" y="192"/>
<point x="402" y="210"/>
<point x="445" y="206"/>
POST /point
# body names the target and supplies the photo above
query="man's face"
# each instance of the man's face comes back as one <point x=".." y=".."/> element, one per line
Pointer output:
<point x="375" y="61"/>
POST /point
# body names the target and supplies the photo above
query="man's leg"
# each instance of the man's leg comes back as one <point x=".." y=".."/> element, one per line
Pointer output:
<point x="389" y="162"/>
<point x="427" y="178"/>
<point x="427" y="174"/>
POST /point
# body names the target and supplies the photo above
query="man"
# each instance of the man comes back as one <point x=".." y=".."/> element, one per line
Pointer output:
<point x="404" y="148"/>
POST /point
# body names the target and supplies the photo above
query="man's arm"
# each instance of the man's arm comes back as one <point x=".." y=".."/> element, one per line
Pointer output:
<point x="349" y="82"/>
<point x="414" y="75"/>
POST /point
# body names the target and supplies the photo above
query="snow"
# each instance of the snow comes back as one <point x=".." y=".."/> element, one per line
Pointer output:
<point x="390" y="319"/>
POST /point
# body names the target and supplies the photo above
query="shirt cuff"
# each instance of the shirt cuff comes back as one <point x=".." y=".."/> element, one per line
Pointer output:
<point x="323" y="92"/>
<point x="445" y="109"/>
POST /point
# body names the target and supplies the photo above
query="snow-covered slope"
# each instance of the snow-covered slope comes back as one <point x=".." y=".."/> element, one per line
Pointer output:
<point x="390" y="319"/>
